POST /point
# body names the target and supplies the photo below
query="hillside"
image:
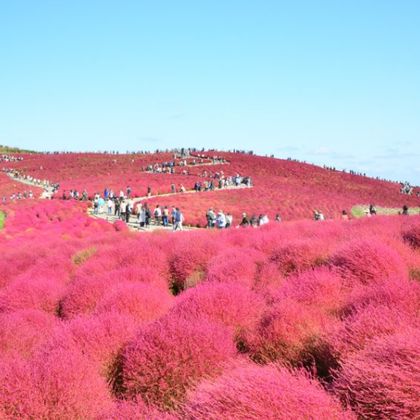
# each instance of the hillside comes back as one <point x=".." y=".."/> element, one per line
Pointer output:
<point x="289" y="188"/>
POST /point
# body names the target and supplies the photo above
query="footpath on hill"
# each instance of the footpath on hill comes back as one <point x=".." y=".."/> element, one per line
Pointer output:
<point x="133" y="223"/>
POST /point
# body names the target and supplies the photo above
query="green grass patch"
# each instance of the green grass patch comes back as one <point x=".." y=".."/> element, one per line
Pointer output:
<point x="2" y="219"/>
<point x="360" y="211"/>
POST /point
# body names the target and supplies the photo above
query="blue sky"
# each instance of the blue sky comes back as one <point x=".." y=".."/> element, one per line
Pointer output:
<point x="323" y="81"/>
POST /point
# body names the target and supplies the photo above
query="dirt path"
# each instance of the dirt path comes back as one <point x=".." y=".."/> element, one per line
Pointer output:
<point x="133" y="223"/>
<point x="46" y="194"/>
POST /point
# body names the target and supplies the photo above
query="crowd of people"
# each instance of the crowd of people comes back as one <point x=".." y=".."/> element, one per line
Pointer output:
<point x="10" y="158"/>
<point x="123" y="207"/>
<point x="42" y="183"/>
<point x="169" y="166"/>
<point x="17" y="196"/>
<point x="406" y="188"/>
<point x="220" y="220"/>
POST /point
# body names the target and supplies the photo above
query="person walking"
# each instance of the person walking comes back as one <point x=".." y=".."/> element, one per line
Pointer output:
<point x="165" y="216"/>
<point x="158" y="215"/>
<point x="221" y="220"/>
<point x="110" y="204"/>
<point x="127" y="212"/>
<point x="179" y="219"/>
<point x="229" y="220"/>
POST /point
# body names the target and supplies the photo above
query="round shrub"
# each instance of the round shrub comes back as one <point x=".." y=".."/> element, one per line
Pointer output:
<point x="170" y="355"/>
<point x="411" y="235"/>
<point x="100" y="338"/>
<point x="359" y="329"/>
<point x="320" y="288"/>
<point x="366" y="261"/>
<point x="31" y="293"/>
<point x="288" y="332"/>
<point x="143" y="302"/>
<point x="299" y="255"/>
<point x="188" y="260"/>
<point x="67" y="385"/>
<point x="382" y="381"/>
<point x="83" y="295"/>
<point x="253" y="392"/>
<point x="235" y="265"/>
<point x="16" y="398"/>
<point x="23" y="331"/>
<point x="59" y="384"/>
<point x="233" y="305"/>
<point x="391" y="293"/>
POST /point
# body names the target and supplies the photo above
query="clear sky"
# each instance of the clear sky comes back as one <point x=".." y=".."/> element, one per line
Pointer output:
<point x="325" y="81"/>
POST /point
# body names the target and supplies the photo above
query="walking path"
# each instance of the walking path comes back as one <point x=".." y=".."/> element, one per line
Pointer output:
<point x="46" y="194"/>
<point x="133" y="223"/>
<point x="182" y="167"/>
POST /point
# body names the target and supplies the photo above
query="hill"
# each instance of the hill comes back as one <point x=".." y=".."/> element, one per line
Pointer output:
<point x="289" y="188"/>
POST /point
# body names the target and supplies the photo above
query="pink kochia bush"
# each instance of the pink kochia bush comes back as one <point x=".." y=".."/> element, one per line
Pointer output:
<point x="412" y="235"/>
<point x="252" y="392"/>
<point x="391" y="293"/>
<point x="287" y="332"/>
<point x="235" y="265"/>
<point x="100" y="338"/>
<point x="382" y="381"/>
<point x="35" y="293"/>
<point x="298" y="255"/>
<point x="233" y="305"/>
<point x="143" y="302"/>
<point x="83" y="295"/>
<point x="89" y="289"/>
<point x="188" y="260"/>
<point x="171" y="355"/>
<point x="366" y="261"/>
<point x="320" y="288"/>
<point x="358" y="330"/>
<point x="23" y="331"/>
<point x="60" y="385"/>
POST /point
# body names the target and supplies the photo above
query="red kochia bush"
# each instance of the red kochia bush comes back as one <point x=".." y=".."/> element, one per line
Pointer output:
<point x="233" y="305"/>
<point x="253" y="392"/>
<point x="99" y="338"/>
<point x="188" y="259"/>
<point x="83" y="295"/>
<point x="57" y="385"/>
<point x="143" y="302"/>
<point x="390" y="293"/>
<point x="299" y="255"/>
<point x="36" y="293"/>
<point x="22" y="332"/>
<point x="320" y="288"/>
<point x="412" y="235"/>
<point x="366" y="261"/>
<point x="382" y="381"/>
<point x="359" y="329"/>
<point x="235" y="265"/>
<point x="170" y="355"/>
<point x="288" y="331"/>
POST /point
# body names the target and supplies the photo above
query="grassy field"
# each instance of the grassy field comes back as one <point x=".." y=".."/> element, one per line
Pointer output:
<point x="2" y="219"/>
<point x="360" y="211"/>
